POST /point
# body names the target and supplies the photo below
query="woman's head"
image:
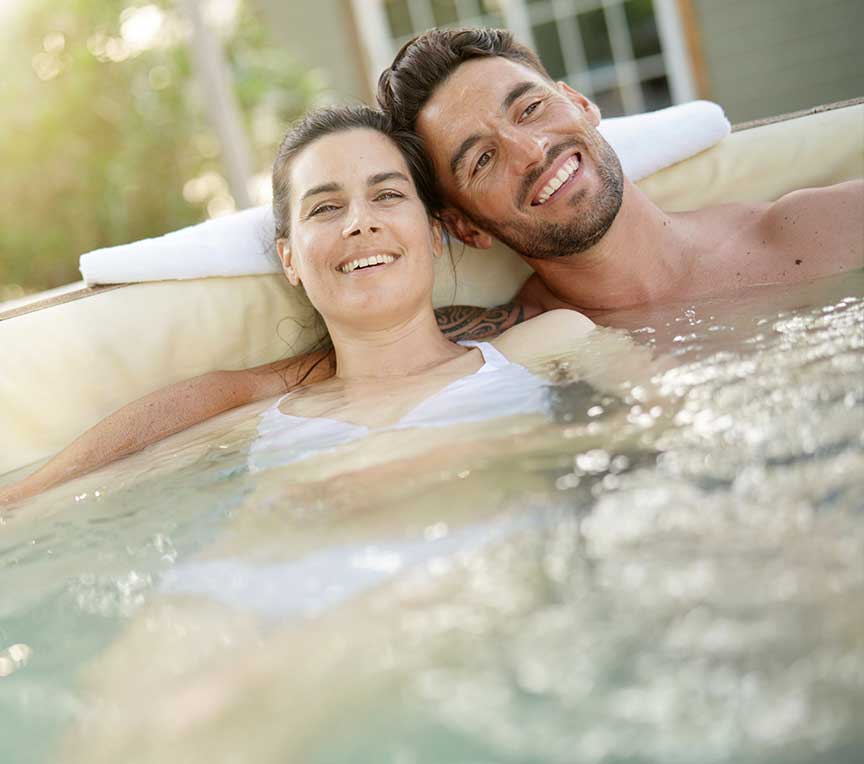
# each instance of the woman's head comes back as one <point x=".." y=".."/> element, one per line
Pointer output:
<point x="349" y="191"/>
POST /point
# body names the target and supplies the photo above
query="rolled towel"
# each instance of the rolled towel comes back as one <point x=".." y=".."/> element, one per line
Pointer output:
<point x="646" y="143"/>
<point x="241" y="244"/>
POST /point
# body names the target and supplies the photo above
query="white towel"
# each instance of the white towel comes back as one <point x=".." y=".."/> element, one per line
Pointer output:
<point x="646" y="143"/>
<point x="241" y="244"/>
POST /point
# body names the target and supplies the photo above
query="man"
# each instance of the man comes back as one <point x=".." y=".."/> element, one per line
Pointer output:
<point x="518" y="157"/>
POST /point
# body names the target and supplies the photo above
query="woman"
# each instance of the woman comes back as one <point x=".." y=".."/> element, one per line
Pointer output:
<point x="354" y="205"/>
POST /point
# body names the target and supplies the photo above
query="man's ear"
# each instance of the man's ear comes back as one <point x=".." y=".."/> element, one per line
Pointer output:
<point x="464" y="230"/>
<point x="577" y="99"/>
<point x="283" y="249"/>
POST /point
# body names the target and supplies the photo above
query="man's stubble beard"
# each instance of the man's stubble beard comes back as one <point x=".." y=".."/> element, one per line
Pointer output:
<point x="543" y="240"/>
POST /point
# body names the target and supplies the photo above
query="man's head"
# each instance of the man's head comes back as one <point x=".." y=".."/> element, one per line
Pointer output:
<point x="517" y="155"/>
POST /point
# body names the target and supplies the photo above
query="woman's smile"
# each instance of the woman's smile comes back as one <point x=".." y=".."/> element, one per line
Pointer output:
<point x="367" y="263"/>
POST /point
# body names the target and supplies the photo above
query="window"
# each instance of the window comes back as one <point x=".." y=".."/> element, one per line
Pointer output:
<point x="628" y="56"/>
<point x="405" y="18"/>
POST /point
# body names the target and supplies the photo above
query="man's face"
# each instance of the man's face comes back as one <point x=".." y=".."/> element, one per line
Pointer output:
<point x="521" y="158"/>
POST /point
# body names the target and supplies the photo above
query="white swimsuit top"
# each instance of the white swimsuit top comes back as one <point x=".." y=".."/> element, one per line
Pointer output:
<point x="499" y="388"/>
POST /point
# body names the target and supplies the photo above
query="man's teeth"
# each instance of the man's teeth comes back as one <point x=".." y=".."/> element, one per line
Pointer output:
<point x="561" y="177"/>
<point x="365" y="262"/>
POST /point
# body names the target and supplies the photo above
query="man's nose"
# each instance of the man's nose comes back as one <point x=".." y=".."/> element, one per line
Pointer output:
<point x="361" y="220"/>
<point x="526" y="148"/>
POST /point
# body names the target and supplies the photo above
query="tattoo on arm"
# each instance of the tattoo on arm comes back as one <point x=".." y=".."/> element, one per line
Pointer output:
<point x="465" y="322"/>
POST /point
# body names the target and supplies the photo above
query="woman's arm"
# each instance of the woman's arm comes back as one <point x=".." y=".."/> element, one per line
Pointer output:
<point x="165" y="412"/>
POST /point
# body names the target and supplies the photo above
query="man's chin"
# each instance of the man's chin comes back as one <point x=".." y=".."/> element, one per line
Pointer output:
<point x="548" y="240"/>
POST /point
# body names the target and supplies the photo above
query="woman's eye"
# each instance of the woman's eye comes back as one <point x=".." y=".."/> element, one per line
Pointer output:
<point x="323" y="208"/>
<point x="386" y="196"/>
<point x="483" y="160"/>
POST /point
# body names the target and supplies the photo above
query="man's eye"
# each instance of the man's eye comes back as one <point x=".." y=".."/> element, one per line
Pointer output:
<point x="530" y="109"/>
<point x="386" y="196"/>
<point x="483" y="160"/>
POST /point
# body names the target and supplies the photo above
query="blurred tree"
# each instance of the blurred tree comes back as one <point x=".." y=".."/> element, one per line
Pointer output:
<point x="103" y="139"/>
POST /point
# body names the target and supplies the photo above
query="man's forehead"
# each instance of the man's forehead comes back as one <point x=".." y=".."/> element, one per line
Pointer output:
<point x="474" y="92"/>
<point x="478" y="83"/>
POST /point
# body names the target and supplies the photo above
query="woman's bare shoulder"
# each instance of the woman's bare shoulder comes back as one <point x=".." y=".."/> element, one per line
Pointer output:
<point x="551" y="332"/>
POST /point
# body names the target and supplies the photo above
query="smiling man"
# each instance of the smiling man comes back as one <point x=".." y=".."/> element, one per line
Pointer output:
<point x="519" y="158"/>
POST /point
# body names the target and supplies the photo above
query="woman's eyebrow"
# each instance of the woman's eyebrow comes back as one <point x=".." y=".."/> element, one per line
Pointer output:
<point x="381" y="177"/>
<point x="324" y="188"/>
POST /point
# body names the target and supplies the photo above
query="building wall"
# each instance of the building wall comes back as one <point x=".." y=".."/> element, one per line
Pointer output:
<point x="321" y="35"/>
<point x="765" y="57"/>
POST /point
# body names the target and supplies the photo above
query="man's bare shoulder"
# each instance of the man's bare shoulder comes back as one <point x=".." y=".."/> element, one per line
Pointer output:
<point x="831" y="213"/>
<point x="547" y="334"/>
<point x="841" y="198"/>
<point x="819" y="230"/>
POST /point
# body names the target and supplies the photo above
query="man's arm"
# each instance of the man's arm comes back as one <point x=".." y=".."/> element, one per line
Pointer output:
<point x="465" y="322"/>
<point x="168" y="411"/>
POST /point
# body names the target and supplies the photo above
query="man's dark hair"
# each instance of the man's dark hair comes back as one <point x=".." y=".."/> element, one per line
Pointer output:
<point x="426" y="61"/>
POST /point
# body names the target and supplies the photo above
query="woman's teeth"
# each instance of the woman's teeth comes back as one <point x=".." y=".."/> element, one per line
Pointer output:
<point x="563" y="175"/>
<point x="365" y="262"/>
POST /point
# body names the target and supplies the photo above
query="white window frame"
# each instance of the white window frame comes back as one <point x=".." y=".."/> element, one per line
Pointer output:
<point x="674" y="61"/>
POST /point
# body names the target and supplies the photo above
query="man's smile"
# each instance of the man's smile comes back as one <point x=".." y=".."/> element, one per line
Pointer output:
<point x="535" y="181"/>
<point x="561" y="176"/>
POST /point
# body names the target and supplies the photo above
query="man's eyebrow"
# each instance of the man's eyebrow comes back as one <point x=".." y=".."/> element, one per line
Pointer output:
<point x="381" y="177"/>
<point x="324" y="188"/>
<point x="463" y="149"/>
<point x="515" y="92"/>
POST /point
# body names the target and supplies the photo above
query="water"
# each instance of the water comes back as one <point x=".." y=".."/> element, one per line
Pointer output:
<point x="667" y="573"/>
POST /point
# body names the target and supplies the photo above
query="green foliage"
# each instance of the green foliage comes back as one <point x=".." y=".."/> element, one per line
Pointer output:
<point x="96" y="145"/>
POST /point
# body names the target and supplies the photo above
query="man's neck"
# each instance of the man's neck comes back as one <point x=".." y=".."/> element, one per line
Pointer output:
<point x="644" y="257"/>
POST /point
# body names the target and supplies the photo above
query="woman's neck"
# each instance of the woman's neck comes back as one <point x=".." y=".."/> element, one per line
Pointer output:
<point x="411" y="347"/>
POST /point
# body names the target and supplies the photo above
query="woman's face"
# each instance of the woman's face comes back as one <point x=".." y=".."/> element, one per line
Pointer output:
<point x="361" y="242"/>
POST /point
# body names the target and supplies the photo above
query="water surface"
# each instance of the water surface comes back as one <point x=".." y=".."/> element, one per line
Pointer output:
<point x="667" y="572"/>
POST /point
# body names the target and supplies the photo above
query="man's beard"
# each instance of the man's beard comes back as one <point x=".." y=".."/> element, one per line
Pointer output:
<point x="544" y="240"/>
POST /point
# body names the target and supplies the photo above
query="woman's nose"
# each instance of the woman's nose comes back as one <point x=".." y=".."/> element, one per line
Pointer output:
<point x="361" y="220"/>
